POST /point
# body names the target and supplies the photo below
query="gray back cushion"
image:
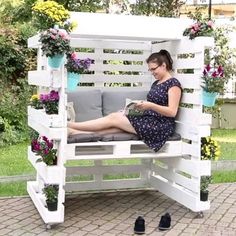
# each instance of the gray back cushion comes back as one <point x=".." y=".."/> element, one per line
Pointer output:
<point x="114" y="100"/>
<point x="87" y="104"/>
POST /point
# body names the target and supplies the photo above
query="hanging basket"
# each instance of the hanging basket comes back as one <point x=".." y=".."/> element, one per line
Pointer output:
<point x="208" y="99"/>
<point x="72" y="80"/>
<point x="56" y="61"/>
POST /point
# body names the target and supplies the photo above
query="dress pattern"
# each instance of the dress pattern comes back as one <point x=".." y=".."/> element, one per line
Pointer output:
<point x="153" y="128"/>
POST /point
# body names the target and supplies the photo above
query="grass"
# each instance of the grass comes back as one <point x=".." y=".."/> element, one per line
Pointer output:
<point x="14" y="160"/>
<point x="227" y="142"/>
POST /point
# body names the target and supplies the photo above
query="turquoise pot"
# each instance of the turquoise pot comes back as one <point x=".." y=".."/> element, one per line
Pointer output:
<point x="56" y="61"/>
<point x="72" y="80"/>
<point x="209" y="99"/>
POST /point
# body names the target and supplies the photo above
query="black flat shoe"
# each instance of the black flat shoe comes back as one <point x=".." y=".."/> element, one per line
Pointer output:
<point x="165" y="222"/>
<point x="139" y="226"/>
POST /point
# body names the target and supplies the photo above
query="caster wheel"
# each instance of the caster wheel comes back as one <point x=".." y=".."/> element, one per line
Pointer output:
<point x="200" y="215"/>
<point x="48" y="226"/>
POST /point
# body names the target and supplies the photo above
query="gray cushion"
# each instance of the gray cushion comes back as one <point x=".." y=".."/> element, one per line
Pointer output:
<point x="115" y="100"/>
<point x="80" y="138"/>
<point x="87" y="104"/>
<point x="119" y="137"/>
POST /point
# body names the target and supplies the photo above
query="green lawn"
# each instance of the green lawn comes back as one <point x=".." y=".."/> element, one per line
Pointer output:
<point x="227" y="142"/>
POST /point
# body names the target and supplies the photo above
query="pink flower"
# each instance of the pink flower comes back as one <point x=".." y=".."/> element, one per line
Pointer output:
<point x="53" y="36"/>
<point x="214" y="74"/>
<point x="210" y="23"/>
<point x="208" y="67"/>
<point x="192" y="31"/>
<point x="53" y="31"/>
<point x="196" y="27"/>
<point x="220" y="71"/>
<point x="73" y="55"/>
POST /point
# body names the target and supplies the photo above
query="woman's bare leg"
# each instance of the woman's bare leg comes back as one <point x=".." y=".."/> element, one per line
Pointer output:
<point x="113" y="120"/>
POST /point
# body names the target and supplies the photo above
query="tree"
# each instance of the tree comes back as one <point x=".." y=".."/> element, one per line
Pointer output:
<point x="167" y="8"/>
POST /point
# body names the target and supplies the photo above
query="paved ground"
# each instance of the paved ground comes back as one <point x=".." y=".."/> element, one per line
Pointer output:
<point x="109" y="214"/>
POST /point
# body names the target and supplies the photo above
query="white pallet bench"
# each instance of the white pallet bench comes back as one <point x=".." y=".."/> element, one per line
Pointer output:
<point x="177" y="168"/>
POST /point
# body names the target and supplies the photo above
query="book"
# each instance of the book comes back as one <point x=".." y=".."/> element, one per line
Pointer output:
<point x="130" y="108"/>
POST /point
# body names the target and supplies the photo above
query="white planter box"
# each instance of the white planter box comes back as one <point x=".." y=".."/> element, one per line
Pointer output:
<point x="48" y="120"/>
<point x="39" y="202"/>
<point x="50" y="174"/>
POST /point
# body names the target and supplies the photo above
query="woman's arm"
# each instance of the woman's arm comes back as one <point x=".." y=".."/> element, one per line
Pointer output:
<point x="174" y="95"/>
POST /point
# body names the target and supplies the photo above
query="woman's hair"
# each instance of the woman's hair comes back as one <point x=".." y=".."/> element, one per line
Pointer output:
<point x="161" y="57"/>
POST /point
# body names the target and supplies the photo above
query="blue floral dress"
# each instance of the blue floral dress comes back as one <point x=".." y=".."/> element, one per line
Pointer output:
<point x="153" y="128"/>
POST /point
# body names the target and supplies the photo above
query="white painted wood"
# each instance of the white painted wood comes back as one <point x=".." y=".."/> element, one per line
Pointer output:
<point x="181" y="195"/>
<point x="48" y="120"/>
<point x="50" y="174"/>
<point x="47" y="78"/>
<point x="39" y="202"/>
<point x="174" y="170"/>
<point x="113" y="26"/>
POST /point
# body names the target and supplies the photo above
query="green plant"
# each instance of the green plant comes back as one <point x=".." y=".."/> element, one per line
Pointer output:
<point x="77" y="65"/>
<point x="202" y="27"/>
<point x="205" y="181"/>
<point x="213" y="79"/>
<point x="54" y="42"/>
<point x="51" y="192"/>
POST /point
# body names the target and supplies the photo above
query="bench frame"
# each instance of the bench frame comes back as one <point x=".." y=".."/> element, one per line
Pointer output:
<point x="175" y="170"/>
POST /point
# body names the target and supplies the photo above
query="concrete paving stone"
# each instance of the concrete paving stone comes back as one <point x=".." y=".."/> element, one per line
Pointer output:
<point x="79" y="233"/>
<point x="190" y="231"/>
<point x="97" y="232"/>
<point x="108" y="226"/>
<point x="90" y="227"/>
<point x="5" y="231"/>
<point x="17" y="232"/>
<point x="70" y="230"/>
<point x="173" y="232"/>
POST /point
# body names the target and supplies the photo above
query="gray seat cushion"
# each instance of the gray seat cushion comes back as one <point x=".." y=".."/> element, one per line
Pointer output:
<point x="80" y="138"/>
<point x="114" y="100"/>
<point x="87" y="104"/>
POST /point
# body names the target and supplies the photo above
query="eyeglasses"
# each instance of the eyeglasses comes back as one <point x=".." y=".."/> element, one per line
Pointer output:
<point x="153" y="69"/>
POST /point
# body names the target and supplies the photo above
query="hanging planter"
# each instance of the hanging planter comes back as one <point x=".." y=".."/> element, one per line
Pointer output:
<point x="56" y="61"/>
<point x="209" y="99"/>
<point x="72" y="80"/>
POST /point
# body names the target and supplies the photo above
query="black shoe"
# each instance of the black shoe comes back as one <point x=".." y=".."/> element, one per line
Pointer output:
<point x="139" y="227"/>
<point x="165" y="222"/>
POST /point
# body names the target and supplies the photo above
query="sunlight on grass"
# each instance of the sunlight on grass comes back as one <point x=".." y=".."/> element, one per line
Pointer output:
<point x="224" y="135"/>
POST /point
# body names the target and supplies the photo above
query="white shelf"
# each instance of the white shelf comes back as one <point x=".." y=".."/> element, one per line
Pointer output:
<point x="39" y="202"/>
<point x="47" y="78"/>
<point x="42" y="129"/>
<point x="50" y="174"/>
<point x="54" y="121"/>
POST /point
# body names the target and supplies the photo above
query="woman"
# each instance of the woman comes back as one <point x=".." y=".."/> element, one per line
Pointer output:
<point x="157" y="123"/>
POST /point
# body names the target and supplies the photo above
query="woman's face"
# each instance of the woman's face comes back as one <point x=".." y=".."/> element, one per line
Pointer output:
<point x="155" y="69"/>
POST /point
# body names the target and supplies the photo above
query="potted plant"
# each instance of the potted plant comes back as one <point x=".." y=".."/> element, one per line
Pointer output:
<point x="35" y="102"/>
<point x="75" y="67"/>
<point x="55" y="43"/>
<point x="205" y="181"/>
<point x="46" y="14"/>
<point x="51" y="193"/>
<point x="202" y="27"/>
<point x="50" y="102"/>
<point x="210" y="150"/>
<point x="213" y="84"/>
<point x="43" y="147"/>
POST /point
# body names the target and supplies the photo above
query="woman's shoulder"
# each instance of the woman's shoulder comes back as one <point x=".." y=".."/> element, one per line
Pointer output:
<point x="174" y="82"/>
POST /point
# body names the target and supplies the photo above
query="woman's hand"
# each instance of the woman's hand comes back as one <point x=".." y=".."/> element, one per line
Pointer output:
<point x="143" y="105"/>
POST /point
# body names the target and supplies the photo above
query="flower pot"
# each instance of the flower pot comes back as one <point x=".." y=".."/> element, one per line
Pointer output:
<point x="52" y="206"/>
<point x="204" y="195"/>
<point x="72" y="80"/>
<point x="56" y="61"/>
<point x="208" y="99"/>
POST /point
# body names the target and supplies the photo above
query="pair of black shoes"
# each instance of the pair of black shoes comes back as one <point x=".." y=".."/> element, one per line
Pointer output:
<point x="164" y="224"/>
